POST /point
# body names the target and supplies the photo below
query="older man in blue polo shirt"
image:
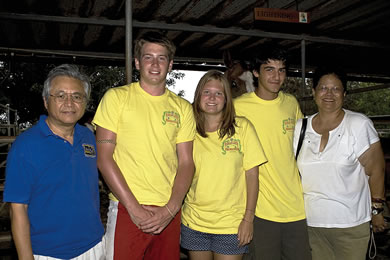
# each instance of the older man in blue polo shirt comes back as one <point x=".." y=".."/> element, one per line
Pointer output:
<point x="52" y="178"/>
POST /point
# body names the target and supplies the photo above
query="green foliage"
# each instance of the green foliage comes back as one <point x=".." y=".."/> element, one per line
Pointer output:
<point x="21" y="85"/>
<point x="173" y="76"/>
<point x="181" y="93"/>
<point x="21" y="88"/>
<point x="294" y="87"/>
<point x="370" y="103"/>
<point x="103" y="78"/>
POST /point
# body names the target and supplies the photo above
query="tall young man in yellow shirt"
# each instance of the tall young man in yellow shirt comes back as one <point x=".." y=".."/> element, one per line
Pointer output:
<point x="280" y="230"/>
<point x="144" y="140"/>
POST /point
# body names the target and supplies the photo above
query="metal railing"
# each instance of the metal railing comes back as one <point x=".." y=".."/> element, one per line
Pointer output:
<point x="8" y="131"/>
<point x="8" y="121"/>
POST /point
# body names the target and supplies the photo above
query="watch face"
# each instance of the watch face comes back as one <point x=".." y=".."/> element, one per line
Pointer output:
<point x="376" y="211"/>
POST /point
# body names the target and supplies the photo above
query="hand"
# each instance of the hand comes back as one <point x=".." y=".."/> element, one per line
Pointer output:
<point x="378" y="223"/>
<point x="156" y="224"/>
<point x="140" y="215"/>
<point x="245" y="233"/>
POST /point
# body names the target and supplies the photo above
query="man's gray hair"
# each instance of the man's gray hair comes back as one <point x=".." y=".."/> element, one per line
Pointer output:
<point x="67" y="70"/>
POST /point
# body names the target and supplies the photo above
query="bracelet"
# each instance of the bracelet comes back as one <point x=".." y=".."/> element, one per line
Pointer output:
<point x="105" y="141"/>
<point x="247" y="220"/>
<point x="378" y="200"/>
<point x="250" y="210"/>
<point x="170" y="212"/>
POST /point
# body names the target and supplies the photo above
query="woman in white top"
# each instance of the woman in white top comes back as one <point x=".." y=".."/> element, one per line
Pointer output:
<point x="342" y="167"/>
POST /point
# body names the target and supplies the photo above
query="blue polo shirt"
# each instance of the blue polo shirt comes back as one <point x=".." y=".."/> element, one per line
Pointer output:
<point x="59" y="182"/>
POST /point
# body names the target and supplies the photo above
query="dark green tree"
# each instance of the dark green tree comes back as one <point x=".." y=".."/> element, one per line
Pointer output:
<point x="21" y="85"/>
<point x="20" y="88"/>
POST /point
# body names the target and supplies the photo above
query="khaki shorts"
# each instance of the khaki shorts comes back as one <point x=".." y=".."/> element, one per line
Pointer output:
<point x="339" y="243"/>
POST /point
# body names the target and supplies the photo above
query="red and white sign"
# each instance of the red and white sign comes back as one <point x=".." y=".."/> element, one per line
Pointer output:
<point x="281" y="15"/>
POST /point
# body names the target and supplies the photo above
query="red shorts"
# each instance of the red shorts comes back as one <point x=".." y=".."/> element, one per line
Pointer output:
<point x="131" y="243"/>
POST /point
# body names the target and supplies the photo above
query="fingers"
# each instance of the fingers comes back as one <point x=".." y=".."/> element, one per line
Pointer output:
<point x="157" y="223"/>
<point x="159" y="230"/>
<point x="240" y="238"/>
<point x="141" y="216"/>
<point x="155" y="228"/>
<point x="151" y="221"/>
<point x="154" y="219"/>
<point x="244" y="240"/>
<point x="245" y="233"/>
<point x="378" y="223"/>
<point x="379" y="228"/>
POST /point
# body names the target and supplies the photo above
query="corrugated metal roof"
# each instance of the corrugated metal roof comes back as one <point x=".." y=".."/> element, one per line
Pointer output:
<point x="90" y="31"/>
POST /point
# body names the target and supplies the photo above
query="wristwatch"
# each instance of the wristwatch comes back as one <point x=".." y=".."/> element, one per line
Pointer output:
<point x="376" y="211"/>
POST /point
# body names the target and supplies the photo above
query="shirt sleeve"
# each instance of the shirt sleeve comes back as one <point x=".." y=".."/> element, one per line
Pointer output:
<point x="109" y="109"/>
<point x="365" y="136"/>
<point x="187" y="129"/>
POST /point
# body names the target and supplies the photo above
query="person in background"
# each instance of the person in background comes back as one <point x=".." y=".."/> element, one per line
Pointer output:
<point x="52" y="177"/>
<point x="144" y="136"/>
<point x="218" y="212"/>
<point x="280" y="230"/>
<point x="342" y="167"/>
<point x="86" y="120"/>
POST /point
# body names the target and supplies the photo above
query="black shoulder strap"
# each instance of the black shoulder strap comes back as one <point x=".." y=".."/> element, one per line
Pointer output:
<point x="301" y="136"/>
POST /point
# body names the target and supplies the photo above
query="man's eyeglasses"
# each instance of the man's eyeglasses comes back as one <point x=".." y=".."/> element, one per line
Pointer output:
<point x="74" y="97"/>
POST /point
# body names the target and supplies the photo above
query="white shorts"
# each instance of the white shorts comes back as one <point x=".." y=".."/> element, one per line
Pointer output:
<point x="95" y="253"/>
<point x="110" y="229"/>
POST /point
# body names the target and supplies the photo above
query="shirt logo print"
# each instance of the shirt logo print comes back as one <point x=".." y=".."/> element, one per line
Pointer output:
<point x="89" y="150"/>
<point x="231" y="145"/>
<point x="171" y="117"/>
<point x="288" y="125"/>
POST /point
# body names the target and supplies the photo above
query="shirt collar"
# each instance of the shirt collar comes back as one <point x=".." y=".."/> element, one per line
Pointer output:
<point x="47" y="132"/>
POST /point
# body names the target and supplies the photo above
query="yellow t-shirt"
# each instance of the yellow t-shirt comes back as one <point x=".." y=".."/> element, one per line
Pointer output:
<point x="216" y="201"/>
<point x="280" y="191"/>
<point x="147" y="130"/>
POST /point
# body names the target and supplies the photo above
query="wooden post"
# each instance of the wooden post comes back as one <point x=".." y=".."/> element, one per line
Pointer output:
<point x="129" y="41"/>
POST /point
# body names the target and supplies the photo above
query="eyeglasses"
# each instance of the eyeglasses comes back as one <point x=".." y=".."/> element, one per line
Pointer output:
<point x="74" y="97"/>
<point x="336" y="90"/>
